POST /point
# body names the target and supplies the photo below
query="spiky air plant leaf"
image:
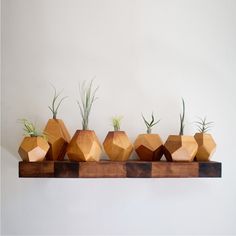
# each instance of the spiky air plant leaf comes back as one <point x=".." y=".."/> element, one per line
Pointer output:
<point x="182" y="117"/>
<point x="87" y="98"/>
<point x="30" y="129"/>
<point x="55" y="102"/>
<point x="116" y="120"/>
<point x="150" y="124"/>
<point x="203" y="126"/>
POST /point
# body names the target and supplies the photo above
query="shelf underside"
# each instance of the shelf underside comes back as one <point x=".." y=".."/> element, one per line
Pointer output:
<point x="110" y="169"/>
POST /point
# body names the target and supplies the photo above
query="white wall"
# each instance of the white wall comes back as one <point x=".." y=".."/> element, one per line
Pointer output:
<point x="146" y="55"/>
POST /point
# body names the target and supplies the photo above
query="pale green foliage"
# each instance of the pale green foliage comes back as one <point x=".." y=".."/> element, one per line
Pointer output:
<point x="30" y="129"/>
<point x="203" y="126"/>
<point x="116" y="120"/>
<point x="54" y="107"/>
<point x="87" y="98"/>
<point x="150" y="124"/>
<point x="182" y="116"/>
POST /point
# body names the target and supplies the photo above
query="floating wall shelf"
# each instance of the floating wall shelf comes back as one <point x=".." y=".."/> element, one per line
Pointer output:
<point x="111" y="169"/>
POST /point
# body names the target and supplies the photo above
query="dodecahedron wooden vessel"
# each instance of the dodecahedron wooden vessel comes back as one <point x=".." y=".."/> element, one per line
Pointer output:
<point x="117" y="146"/>
<point x="149" y="147"/>
<point x="180" y="148"/>
<point x="33" y="149"/>
<point x="206" y="146"/>
<point x="58" y="139"/>
<point x="84" y="146"/>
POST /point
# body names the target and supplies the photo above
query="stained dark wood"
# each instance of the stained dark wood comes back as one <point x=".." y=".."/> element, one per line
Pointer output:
<point x="138" y="169"/>
<point x="66" y="169"/>
<point x="209" y="169"/>
<point x="113" y="169"/>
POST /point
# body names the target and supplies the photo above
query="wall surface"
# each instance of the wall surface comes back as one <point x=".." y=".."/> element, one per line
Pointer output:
<point x="146" y="55"/>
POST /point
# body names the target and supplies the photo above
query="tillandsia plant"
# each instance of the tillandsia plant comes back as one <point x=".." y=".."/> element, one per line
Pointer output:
<point x="87" y="98"/>
<point x="203" y="126"/>
<point x="30" y="129"/>
<point x="116" y="120"/>
<point x="150" y="124"/>
<point x="55" y="105"/>
<point x="182" y="117"/>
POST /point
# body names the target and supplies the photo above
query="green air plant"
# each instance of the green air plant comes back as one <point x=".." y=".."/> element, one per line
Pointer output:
<point x="30" y="129"/>
<point x="87" y="98"/>
<point x="55" y="105"/>
<point x="203" y="126"/>
<point x="182" y="116"/>
<point x="150" y="124"/>
<point x="116" y="120"/>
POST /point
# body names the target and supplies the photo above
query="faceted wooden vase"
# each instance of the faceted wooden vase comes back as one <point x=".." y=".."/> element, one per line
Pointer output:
<point x="58" y="139"/>
<point x="149" y="147"/>
<point x="117" y="146"/>
<point x="84" y="146"/>
<point x="180" y="148"/>
<point x="206" y="146"/>
<point x="33" y="149"/>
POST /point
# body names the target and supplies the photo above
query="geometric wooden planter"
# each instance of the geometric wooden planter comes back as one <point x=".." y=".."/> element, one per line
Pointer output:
<point x="58" y="139"/>
<point x="117" y="146"/>
<point x="206" y="146"/>
<point x="116" y="169"/>
<point x="180" y="148"/>
<point x="149" y="147"/>
<point x="33" y="149"/>
<point x="84" y="146"/>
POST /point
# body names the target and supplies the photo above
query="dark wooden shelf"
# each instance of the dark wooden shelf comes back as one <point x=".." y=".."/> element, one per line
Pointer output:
<point x="111" y="169"/>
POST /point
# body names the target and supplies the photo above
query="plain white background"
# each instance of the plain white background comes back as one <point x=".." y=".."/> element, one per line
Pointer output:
<point x="146" y="55"/>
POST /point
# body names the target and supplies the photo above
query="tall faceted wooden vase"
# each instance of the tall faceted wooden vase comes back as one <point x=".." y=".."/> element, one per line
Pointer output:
<point x="206" y="146"/>
<point x="117" y="146"/>
<point x="84" y="146"/>
<point x="58" y="139"/>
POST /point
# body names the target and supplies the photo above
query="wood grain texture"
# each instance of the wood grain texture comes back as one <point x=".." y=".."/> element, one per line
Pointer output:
<point x="175" y="169"/>
<point x="103" y="169"/>
<point x="110" y="169"/>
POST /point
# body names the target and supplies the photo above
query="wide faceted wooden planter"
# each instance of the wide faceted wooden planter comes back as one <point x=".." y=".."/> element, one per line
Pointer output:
<point x="117" y="146"/>
<point x="206" y="146"/>
<point x="84" y="146"/>
<point x="33" y="149"/>
<point x="149" y="147"/>
<point x="58" y="139"/>
<point x="180" y="148"/>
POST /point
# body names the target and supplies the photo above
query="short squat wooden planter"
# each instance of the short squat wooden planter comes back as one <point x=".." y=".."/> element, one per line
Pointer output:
<point x="112" y="169"/>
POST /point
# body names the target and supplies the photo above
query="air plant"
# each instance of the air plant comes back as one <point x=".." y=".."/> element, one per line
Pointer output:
<point x="54" y="107"/>
<point x="203" y="126"/>
<point x="150" y="124"/>
<point x="182" y="116"/>
<point x="116" y="120"/>
<point x="30" y="129"/>
<point x="87" y="98"/>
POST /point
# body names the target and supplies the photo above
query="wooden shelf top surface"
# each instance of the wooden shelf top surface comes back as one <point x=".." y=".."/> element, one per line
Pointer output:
<point x="112" y="169"/>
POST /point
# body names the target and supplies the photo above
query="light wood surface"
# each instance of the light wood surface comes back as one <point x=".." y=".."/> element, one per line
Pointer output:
<point x="84" y="146"/>
<point x="117" y="146"/>
<point x="33" y="149"/>
<point x="180" y="148"/>
<point x="149" y="147"/>
<point x="58" y="139"/>
<point x="206" y="146"/>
